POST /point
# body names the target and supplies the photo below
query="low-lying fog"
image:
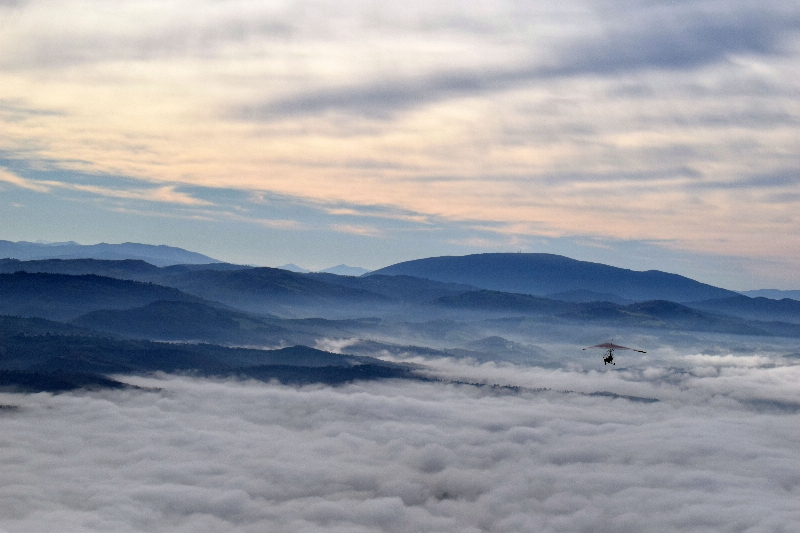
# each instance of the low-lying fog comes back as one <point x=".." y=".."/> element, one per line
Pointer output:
<point x="719" y="451"/>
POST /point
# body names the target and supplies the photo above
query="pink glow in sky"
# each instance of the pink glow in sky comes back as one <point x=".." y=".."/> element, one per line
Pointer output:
<point x="509" y="123"/>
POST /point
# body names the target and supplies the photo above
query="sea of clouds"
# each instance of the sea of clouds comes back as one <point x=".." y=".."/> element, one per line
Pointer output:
<point x="718" y="452"/>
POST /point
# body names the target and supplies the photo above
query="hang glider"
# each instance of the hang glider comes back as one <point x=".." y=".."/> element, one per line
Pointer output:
<point x="608" y="358"/>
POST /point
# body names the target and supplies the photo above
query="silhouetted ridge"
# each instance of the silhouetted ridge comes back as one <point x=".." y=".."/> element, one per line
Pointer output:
<point x="399" y="288"/>
<point x="22" y="381"/>
<point x="58" y="362"/>
<point x="583" y="296"/>
<point x="186" y="321"/>
<point x="759" y="308"/>
<point x="122" y="269"/>
<point x="542" y="274"/>
<point x="159" y="255"/>
<point x="63" y="297"/>
<point x="258" y="288"/>
<point x="486" y="300"/>
<point x="15" y="325"/>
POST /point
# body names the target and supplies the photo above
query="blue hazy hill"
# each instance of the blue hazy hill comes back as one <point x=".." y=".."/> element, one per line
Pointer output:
<point x="542" y="274"/>
<point x="773" y="294"/>
<point x="346" y="270"/>
<point x="258" y="289"/>
<point x="405" y="289"/>
<point x="134" y="269"/>
<point x="758" y="308"/>
<point x="291" y="267"/>
<point x="160" y="255"/>
<point x="494" y="301"/>
<point x="58" y="362"/>
<point x="187" y="321"/>
<point x="64" y="297"/>
<point x="583" y="296"/>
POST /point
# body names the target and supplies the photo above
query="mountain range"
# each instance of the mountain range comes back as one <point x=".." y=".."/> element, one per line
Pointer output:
<point x="64" y="297"/>
<point x="271" y="291"/>
<point x="68" y="323"/>
<point x="41" y="355"/>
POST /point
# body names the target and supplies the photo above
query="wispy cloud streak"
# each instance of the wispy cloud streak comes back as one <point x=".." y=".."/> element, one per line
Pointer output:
<point x="532" y="117"/>
<point x="17" y="181"/>
<point x="164" y="194"/>
<point x="654" y="41"/>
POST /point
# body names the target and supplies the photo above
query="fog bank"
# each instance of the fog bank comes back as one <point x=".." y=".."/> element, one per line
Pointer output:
<point x="718" y="452"/>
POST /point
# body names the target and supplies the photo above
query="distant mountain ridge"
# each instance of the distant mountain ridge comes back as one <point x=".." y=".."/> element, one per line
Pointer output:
<point x="542" y="274"/>
<point x="773" y="294"/>
<point x="339" y="270"/>
<point x="255" y="289"/>
<point x="119" y="316"/>
<point x="38" y="355"/>
<point x="158" y="255"/>
<point x="649" y="314"/>
<point x="345" y="270"/>
<point x="186" y="321"/>
<point x="757" y="308"/>
<point x="583" y="296"/>
<point x="135" y="269"/>
<point x="64" y="297"/>
<point x="291" y="267"/>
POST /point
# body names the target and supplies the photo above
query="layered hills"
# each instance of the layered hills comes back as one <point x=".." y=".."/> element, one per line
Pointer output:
<point x="758" y="308"/>
<point x="89" y="285"/>
<point x="74" y="322"/>
<point x="40" y="355"/>
<point x="260" y="290"/>
<point x="64" y="297"/>
<point x="189" y="321"/>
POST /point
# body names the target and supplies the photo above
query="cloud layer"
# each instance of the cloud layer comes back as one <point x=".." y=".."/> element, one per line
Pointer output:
<point x="203" y="455"/>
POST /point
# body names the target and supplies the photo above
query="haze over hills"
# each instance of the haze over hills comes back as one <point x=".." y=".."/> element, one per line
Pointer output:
<point x="541" y="274"/>
<point x="266" y="290"/>
<point x="115" y="304"/>
<point x="339" y="270"/>
<point x="133" y="269"/>
<point x="64" y="297"/>
<point x="291" y="267"/>
<point x="404" y="289"/>
<point x="40" y="355"/>
<point x="189" y="321"/>
<point x="654" y="314"/>
<point x="773" y="294"/>
<point x="259" y="289"/>
<point x="345" y="270"/>
<point x="498" y="301"/>
<point x="583" y="295"/>
<point x="160" y="255"/>
<point x="758" y="308"/>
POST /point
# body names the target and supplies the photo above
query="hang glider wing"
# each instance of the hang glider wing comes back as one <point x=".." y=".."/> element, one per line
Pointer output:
<point x="611" y="345"/>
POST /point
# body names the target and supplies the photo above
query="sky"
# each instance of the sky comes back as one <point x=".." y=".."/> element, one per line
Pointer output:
<point x="644" y="134"/>
<point x="717" y="453"/>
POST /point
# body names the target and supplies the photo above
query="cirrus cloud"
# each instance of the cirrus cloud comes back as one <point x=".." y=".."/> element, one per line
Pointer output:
<point x="536" y="118"/>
